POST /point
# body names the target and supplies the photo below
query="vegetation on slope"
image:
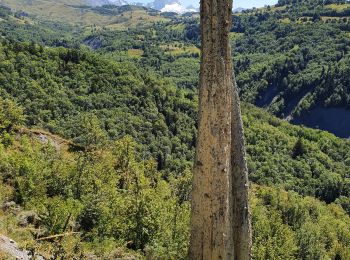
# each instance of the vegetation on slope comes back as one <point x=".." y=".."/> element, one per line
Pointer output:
<point x="70" y="91"/>
<point x="107" y="203"/>
<point x="286" y="60"/>
<point x="60" y="88"/>
<point x="129" y="107"/>
<point x="78" y="13"/>
<point x="292" y="59"/>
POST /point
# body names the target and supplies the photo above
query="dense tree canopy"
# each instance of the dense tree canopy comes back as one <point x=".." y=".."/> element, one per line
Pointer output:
<point x="120" y="206"/>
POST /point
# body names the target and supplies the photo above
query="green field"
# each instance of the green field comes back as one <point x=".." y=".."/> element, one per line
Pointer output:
<point x="77" y="13"/>
<point x="338" y="7"/>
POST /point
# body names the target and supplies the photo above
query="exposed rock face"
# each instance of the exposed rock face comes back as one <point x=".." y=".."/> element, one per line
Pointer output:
<point x="334" y="120"/>
<point x="27" y="218"/>
<point x="8" y="205"/>
<point x="11" y="248"/>
<point x="93" y="42"/>
<point x="11" y="206"/>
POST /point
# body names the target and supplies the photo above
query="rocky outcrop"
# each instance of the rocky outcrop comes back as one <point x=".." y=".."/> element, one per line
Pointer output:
<point x="334" y="120"/>
<point x="11" y="248"/>
<point x="93" y="42"/>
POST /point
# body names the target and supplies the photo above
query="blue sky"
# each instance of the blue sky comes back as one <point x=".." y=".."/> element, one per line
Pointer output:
<point x="253" y="3"/>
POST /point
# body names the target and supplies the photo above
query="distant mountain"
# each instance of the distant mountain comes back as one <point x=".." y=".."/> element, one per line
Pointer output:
<point x="192" y="9"/>
<point x="138" y="4"/>
<point x="239" y="10"/>
<point x="107" y="2"/>
<point x="84" y="12"/>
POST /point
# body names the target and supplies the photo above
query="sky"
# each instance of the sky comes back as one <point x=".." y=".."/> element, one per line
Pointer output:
<point x="253" y="3"/>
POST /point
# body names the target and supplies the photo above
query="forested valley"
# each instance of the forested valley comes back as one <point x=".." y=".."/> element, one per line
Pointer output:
<point x="98" y="127"/>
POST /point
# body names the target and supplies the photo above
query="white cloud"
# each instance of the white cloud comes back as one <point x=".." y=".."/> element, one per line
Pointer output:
<point x="174" y="7"/>
<point x="177" y="8"/>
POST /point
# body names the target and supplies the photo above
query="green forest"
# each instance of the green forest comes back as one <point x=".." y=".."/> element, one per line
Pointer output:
<point x="98" y="127"/>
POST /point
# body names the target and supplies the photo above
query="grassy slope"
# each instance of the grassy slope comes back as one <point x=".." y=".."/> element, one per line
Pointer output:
<point x="338" y="7"/>
<point x="54" y="10"/>
<point x="74" y="12"/>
